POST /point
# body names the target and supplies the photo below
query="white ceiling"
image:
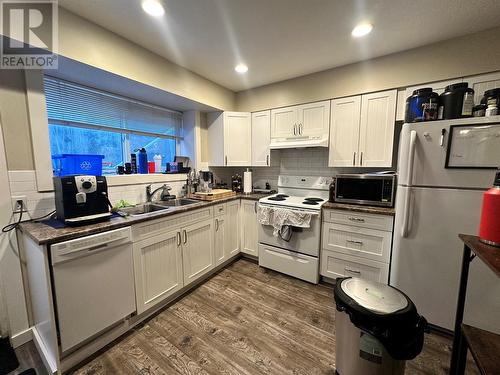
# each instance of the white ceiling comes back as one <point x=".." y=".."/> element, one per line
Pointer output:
<point x="281" y="39"/>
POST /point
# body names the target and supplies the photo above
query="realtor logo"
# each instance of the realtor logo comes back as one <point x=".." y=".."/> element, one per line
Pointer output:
<point x="29" y="34"/>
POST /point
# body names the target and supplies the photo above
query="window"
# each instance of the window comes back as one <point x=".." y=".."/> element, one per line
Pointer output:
<point x="88" y="121"/>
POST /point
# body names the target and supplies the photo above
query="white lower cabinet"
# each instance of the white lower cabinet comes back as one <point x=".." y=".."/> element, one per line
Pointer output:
<point x="232" y="228"/>
<point x="334" y="264"/>
<point x="356" y="244"/>
<point x="157" y="268"/>
<point x="249" y="228"/>
<point x="197" y="250"/>
<point x="219" y="240"/>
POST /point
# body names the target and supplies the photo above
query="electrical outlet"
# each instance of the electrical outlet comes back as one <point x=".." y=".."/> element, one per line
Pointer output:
<point x="16" y="207"/>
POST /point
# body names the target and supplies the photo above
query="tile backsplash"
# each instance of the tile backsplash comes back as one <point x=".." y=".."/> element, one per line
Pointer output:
<point x="23" y="183"/>
<point x="291" y="162"/>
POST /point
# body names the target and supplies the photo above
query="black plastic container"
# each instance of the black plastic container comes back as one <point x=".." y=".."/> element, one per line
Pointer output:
<point x="491" y="97"/>
<point x="457" y="101"/>
<point x="422" y="106"/>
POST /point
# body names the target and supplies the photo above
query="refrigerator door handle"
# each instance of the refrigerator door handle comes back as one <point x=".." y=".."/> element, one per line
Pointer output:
<point x="411" y="156"/>
<point x="406" y="214"/>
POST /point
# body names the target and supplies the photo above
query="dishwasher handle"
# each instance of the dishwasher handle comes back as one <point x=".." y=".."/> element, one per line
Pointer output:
<point x="74" y="249"/>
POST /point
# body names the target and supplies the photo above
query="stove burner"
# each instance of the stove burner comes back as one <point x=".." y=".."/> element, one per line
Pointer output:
<point x="312" y="203"/>
<point x="276" y="199"/>
<point x="281" y="196"/>
<point x="314" y="199"/>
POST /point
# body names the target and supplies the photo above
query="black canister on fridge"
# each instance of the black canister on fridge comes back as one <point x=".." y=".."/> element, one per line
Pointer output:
<point x="456" y="101"/>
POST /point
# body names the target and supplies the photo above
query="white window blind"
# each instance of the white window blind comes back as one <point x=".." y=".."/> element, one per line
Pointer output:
<point x="76" y="105"/>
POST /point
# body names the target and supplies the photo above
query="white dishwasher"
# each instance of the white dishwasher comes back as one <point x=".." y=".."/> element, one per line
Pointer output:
<point x="93" y="284"/>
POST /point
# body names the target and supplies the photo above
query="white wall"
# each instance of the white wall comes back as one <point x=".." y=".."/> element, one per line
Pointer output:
<point x="13" y="314"/>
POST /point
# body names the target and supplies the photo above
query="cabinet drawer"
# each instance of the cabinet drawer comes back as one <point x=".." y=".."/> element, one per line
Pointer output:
<point x="288" y="262"/>
<point x="334" y="264"/>
<point x="153" y="227"/>
<point x="219" y="210"/>
<point x="373" y="221"/>
<point x="357" y="241"/>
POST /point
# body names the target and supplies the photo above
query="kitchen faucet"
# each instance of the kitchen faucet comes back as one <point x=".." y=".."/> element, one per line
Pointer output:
<point x="165" y="195"/>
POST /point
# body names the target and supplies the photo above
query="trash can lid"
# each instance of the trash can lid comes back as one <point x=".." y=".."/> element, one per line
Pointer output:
<point x="376" y="297"/>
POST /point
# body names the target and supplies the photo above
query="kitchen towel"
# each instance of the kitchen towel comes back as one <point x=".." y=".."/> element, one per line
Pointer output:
<point x="281" y="217"/>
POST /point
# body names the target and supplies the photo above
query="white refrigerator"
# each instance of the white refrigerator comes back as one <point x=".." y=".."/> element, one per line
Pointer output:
<point x="433" y="205"/>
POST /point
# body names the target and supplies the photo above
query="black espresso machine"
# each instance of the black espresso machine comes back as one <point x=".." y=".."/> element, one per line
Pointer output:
<point x="81" y="199"/>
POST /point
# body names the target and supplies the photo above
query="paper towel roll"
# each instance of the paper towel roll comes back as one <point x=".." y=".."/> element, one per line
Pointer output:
<point x="247" y="181"/>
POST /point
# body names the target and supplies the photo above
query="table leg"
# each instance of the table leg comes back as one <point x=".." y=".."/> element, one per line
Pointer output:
<point x="459" y="353"/>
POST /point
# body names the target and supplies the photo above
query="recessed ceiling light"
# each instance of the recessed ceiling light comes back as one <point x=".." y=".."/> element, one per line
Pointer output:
<point x="153" y="8"/>
<point x="361" y="30"/>
<point x="241" y="68"/>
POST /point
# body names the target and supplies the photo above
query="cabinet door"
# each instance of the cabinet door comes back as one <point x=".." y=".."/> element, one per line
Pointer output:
<point x="313" y="118"/>
<point x="261" y="137"/>
<point x="232" y="229"/>
<point x="249" y="228"/>
<point x="344" y="132"/>
<point x="157" y="269"/>
<point x="284" y="122"/>
<point x="378" y="115"/>
<point x="219" y="239"/>
<point x="197" y="250"/>
<point x="482" y="83"/>
<point x="237" y="138"/>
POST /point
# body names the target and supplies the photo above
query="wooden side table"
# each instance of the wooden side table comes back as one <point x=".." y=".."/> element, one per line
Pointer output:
<point x="484" y="345"/>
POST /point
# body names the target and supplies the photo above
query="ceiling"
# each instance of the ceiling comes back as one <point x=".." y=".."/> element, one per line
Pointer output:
<point x="281" y="39"/>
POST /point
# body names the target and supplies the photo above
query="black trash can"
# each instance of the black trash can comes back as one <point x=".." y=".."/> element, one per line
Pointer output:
<point x="377" y="328"/>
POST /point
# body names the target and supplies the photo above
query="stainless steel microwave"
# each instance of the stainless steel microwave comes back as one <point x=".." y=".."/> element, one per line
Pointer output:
<point x="367" y="189"/>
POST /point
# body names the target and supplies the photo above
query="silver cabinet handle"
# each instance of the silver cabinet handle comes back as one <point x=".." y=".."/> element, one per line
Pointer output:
<point x="356" y="242"/>
<point x="300" y="129"/>
<point x="178" y="235"/>
<point x="226" y="159"/>
<point x="185" y="236"/>
<point x="267" y="160"/>
<point x="352" y="271"/>
<point x="255" y="207"/>
<point x="294" y="129"/>
<point x="354" y="158"/>
<point x="357" y="219"/>
<point x="361" y="158"/>
<point x="216" y="225"/>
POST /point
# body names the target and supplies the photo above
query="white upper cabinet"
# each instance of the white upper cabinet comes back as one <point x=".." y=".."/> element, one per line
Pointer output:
<point x="284" y="122"/>
<point x="313" y="118"/>
<point x="229" y="138"/>
<point x="344" y="131"/>
<point x="362" y="130"/>
<point x="301" y="120"/>
<point x="261" y="138"/>
<point x="482" y="83"/>
<point x="376" y="135"/>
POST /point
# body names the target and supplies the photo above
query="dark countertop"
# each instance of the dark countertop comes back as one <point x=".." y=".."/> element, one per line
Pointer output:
<point x="490" y="255"/>
<point x="358" y="208"/>
<point x="44" y="234"/>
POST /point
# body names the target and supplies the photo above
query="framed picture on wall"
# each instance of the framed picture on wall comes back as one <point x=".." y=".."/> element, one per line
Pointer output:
<point x="474" y="146"/>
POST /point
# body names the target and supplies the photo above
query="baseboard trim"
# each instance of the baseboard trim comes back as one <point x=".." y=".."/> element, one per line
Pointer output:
<point x="21" y="338"/>
<point x="49" y="363"/>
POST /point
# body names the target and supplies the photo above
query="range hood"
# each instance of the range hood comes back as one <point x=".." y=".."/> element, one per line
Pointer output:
<point x="299" y="142"/>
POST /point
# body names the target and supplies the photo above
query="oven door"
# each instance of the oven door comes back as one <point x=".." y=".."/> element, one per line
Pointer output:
<point x="303" y="240"/>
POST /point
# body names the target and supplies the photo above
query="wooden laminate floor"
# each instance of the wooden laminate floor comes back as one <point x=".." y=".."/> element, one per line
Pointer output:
<point x="246" y="320"/>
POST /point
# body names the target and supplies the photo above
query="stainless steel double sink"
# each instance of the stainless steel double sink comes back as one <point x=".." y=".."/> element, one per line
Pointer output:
<point x="153" y="207"/>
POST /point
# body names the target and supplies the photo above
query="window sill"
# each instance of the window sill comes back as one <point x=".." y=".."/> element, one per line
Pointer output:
<point x="134" y="179"/>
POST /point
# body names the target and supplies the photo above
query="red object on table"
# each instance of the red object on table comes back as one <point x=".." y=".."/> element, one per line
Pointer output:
<point x="489" y="227"/>
<point x="151" y="167"/>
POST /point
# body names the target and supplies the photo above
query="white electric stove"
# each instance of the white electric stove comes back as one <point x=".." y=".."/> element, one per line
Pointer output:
<point x="299" y="255"/>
